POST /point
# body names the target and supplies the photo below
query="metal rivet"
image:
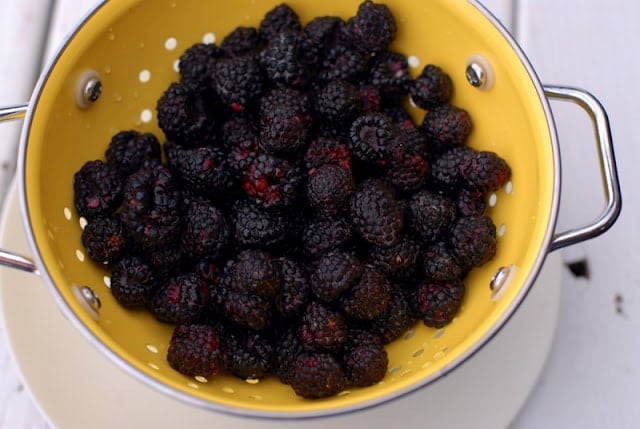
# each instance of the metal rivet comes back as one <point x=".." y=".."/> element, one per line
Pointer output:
<point x="91" y="297"/>
<point x="499" y="278"/>
<point x="89" y="89"/>
<point x="476" y="75"/>
<point x="92" y="90"/>
<point x="479" y="73"/>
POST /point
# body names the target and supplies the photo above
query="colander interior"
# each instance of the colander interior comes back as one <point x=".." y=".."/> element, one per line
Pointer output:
<point x="136" y="62"/>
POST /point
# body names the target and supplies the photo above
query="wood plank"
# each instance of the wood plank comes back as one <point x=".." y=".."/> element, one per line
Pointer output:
<point x="592" y="376"/>
<point x="22" y="31"/>
<point x="23" y="40"/>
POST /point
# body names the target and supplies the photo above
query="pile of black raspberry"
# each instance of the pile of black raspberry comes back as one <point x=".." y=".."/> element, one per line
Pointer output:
<point x="294" y="219"/>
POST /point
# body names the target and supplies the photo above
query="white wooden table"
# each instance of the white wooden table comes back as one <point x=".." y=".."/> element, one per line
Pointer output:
<point x="592" y="377"/>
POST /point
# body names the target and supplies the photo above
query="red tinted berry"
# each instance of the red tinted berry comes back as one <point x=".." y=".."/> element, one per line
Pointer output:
<point x="203" y="170"/>
<point x="97" y="188"/>
<point x="437" y="303"/>
<point x="181" y="299"/>
<point x="317" y="375"/>
<point x="407" y="170"/>
<point x="105" y="239"/>
<point x="446" y="169"/>
<point x="194" y="350"/>
<point x="271" y="182"/>
<point x="322" y="328"/>
<point x="485" y="171"/>
<point x="324" y="150"/>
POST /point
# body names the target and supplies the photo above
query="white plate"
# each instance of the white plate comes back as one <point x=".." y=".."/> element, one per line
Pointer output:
<point x="77" y="387"/>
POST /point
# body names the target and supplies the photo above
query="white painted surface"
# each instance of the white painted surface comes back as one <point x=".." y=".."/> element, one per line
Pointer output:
<point x="592" y="378"/>
<point x="593" y="374"/>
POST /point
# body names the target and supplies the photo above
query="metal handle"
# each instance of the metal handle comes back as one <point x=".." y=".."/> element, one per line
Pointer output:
<point x="611" y="184"/>
<point x="18" y="262"/>
<point x="13" y="112"/>
<point x="10" y="259"/>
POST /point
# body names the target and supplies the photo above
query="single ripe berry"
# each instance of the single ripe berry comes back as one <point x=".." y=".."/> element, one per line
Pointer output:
<point x="369" y="297"/>
<point x="129" y="150"/>
<point x="437" y="303"/>
<point x="317" y="375"/>
<point x="335" y="272"/>
<point x="181" y="299"/>
<point x="238" y="82"/>
<point x="329" y="189"/>
<point x="194" y="350"/>
<point x="446" y="126"/>
<point x="431" y="88"/>
<point x="485" y="171"/>
<point x="376" y="214"/>
<point x="256" y="272"/>
<point x="373" y="27"/>
<point x="105" y="239"/>
<point x="186" y="116"/>
<point x="322" y="328"/>
<point x="206" y="232"/>
<point x="246" y="354"/>
<point x="271" y="182"/>
<point x="431" y="214"/>
<point x="133" y="282"/>
<point x="280" y="18"/>
<point x="97" y="189"/>
<point x="372" y="138"/>
<point x="365" y="365"/>
<point x="473" y="240"/>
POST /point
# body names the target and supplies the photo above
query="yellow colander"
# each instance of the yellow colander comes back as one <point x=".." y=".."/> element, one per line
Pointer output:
<point x="108" y="76"/>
